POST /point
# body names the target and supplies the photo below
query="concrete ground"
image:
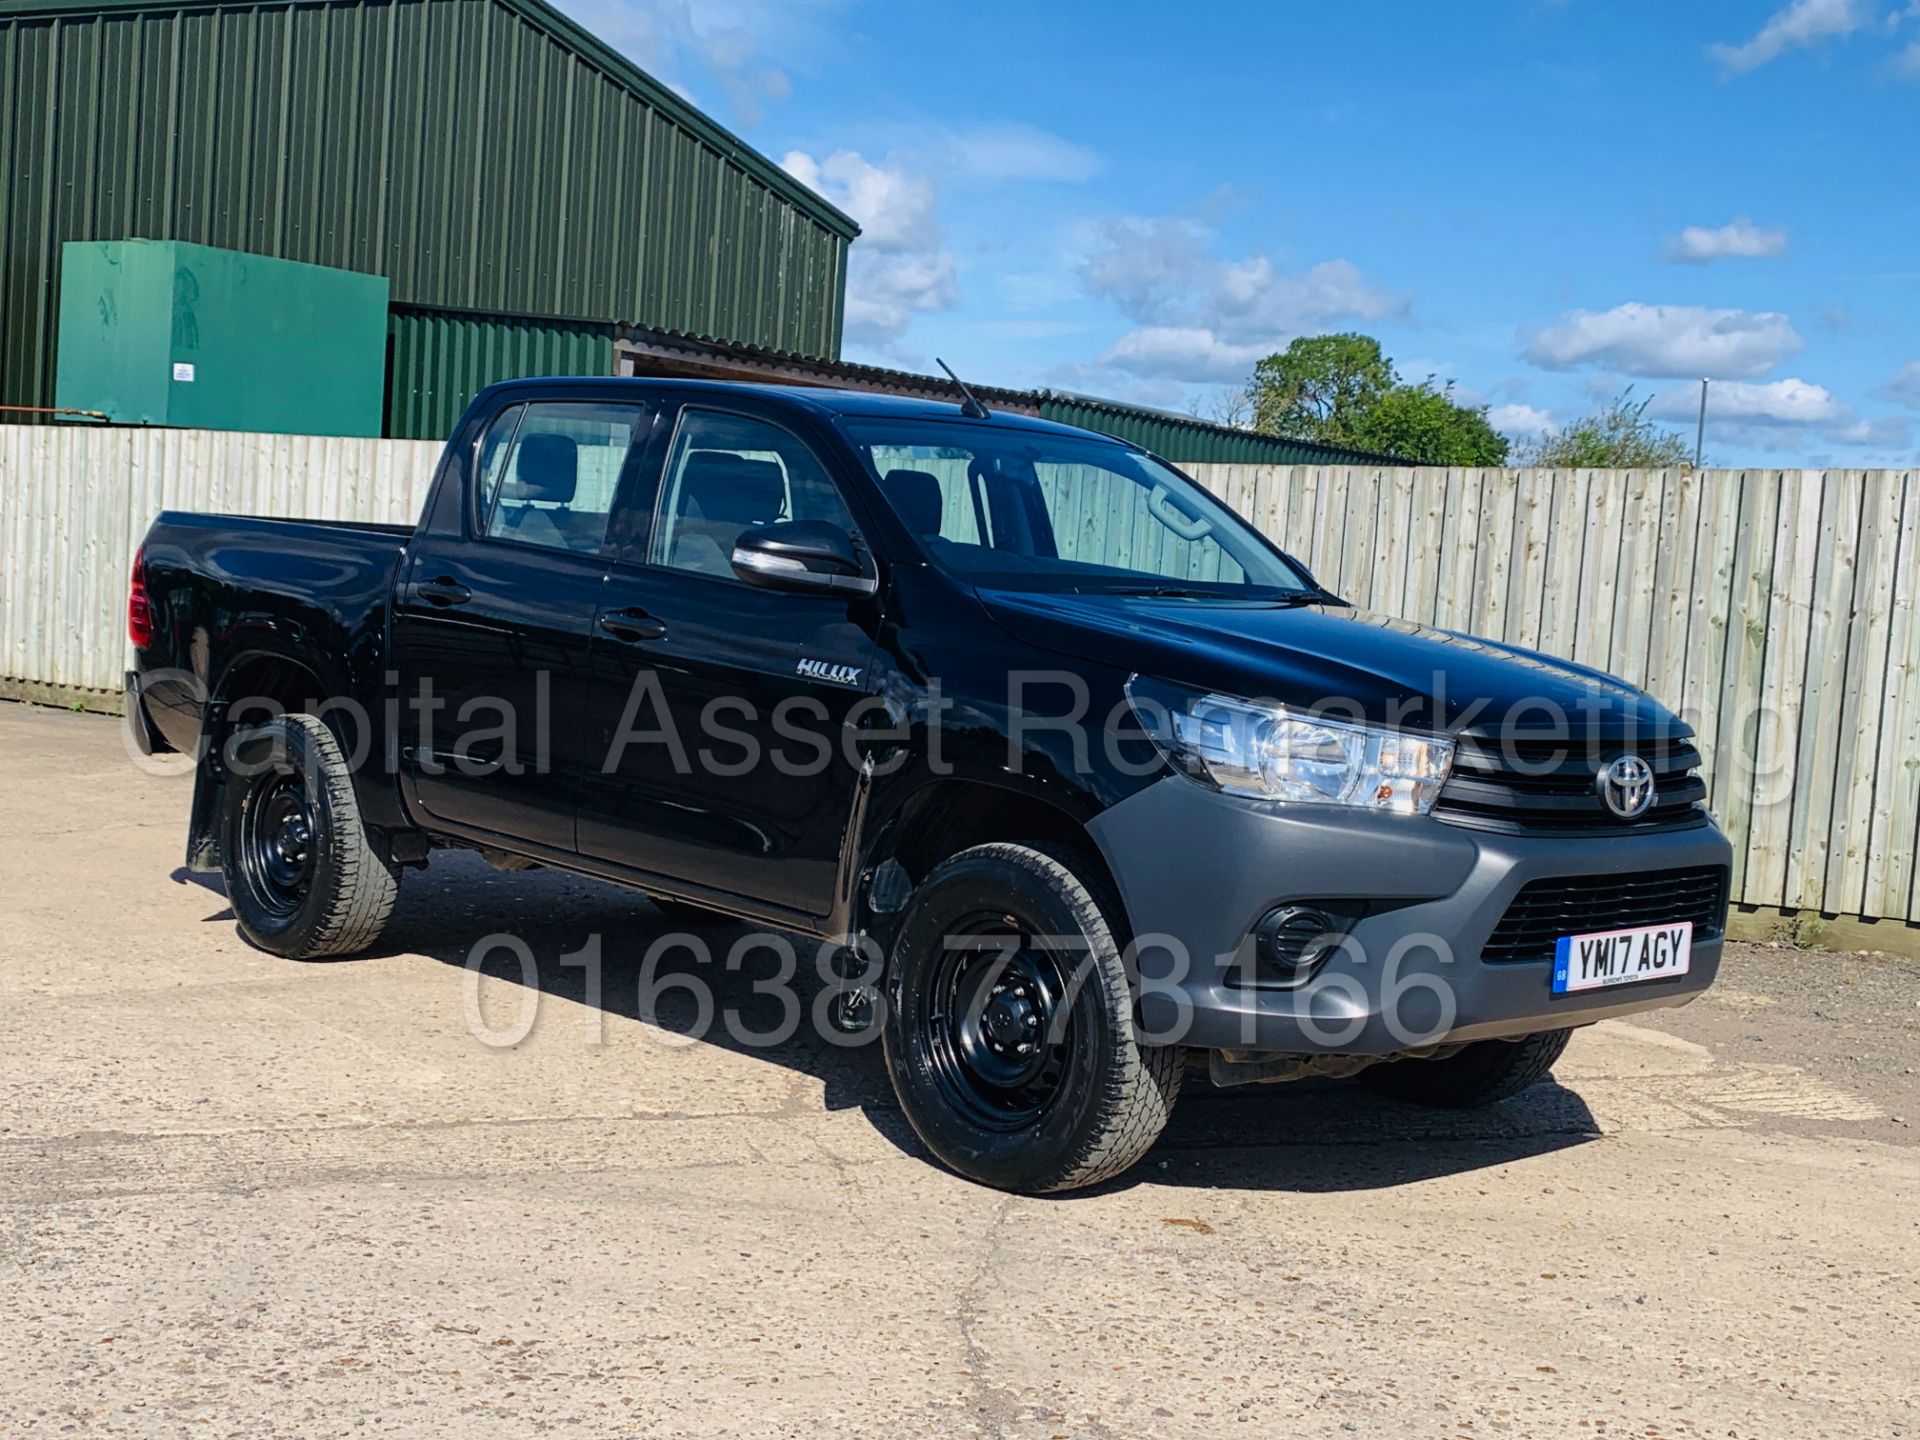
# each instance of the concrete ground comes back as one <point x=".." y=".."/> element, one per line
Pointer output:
<point x="244" y="1196"/>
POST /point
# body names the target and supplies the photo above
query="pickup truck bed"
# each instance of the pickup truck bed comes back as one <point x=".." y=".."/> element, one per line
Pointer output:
<point x="251" y="594"/>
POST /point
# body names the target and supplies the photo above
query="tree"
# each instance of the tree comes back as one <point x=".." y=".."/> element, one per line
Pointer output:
<point x="1314" y="388"/>
<point x="1343" y="390"/>
<point x="1428" y="426"/>
<point x="1618" y="437"/>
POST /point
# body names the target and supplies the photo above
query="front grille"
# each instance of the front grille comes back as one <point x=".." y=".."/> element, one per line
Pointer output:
<point x="1544" y="910"/>
<point x="1509" y="783"/>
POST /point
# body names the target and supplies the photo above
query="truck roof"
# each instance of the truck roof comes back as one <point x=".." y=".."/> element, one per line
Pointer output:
<point x="815" y="399"/>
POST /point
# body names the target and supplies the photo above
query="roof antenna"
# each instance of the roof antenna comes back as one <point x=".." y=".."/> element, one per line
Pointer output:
<point x="973" y="409"/>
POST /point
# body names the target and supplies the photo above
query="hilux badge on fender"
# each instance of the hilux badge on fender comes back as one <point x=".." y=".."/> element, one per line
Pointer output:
<point x="833" y="674"/>
<point x="1626" y="786"/>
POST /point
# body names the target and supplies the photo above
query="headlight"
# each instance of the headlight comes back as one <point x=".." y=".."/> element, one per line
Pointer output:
<point x="1273" y="753"/>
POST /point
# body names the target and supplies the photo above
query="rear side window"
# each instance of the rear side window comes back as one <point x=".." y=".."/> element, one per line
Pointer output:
<point x="549" y="472"/>
<point x="493" y="454"/>
<point x="728" y="473"/>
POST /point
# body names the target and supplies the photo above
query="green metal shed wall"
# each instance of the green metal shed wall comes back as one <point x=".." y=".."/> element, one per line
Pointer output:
<point x="479" y="153"/>
<point x="440" y="359"/>
<point x="1195" y="442"/>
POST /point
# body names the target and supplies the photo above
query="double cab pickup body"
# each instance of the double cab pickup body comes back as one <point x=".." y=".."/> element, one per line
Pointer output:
<point x="1089" y="782"/>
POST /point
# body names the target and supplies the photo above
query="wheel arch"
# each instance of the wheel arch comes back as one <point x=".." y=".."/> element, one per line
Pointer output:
<point x="953" y="813"/>
<point x="254" y="685"/>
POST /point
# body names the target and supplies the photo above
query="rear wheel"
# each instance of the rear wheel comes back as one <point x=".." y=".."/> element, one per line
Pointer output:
<point x="1009" y="1033"/>
<point x="304" y="875"/>
<point x="1483" y="1073"/>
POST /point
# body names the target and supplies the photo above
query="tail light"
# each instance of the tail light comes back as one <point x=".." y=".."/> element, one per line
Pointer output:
<point x="139" y="606"/>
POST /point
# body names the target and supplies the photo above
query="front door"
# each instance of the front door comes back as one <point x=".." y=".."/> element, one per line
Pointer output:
<point x="725" y="708"/>
<point x="493" y="625"/>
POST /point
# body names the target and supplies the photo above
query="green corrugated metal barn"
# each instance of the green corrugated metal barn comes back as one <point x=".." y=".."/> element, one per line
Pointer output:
<point x="537" y="203"/>
<point x="507" y="172"/>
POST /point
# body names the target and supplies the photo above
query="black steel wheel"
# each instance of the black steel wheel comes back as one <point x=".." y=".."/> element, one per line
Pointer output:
<point x="997" y="1026"/>
<point x="1009" y="1029"/>
<point x="276" y="842"/>
<point x="305" y="876"/>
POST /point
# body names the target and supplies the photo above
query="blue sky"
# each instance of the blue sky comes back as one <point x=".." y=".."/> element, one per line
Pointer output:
<point x="1542" y="202"/>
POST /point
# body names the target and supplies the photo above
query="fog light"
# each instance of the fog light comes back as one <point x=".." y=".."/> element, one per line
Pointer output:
<point x="1291" y="940"/>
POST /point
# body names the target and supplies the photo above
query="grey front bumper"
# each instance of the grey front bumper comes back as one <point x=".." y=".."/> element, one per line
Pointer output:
<point x="1197" y="870"/>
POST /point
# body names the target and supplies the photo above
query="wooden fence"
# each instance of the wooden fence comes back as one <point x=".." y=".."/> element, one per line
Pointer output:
<point x="75" y="502"/>
<point x="1775" y="610"/>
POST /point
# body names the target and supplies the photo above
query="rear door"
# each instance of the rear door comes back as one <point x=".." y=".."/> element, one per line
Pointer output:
<point x="725" y="707"/>
<point x="493" y="626"/>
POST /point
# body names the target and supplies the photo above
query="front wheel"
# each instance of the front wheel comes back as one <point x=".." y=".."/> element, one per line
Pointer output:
<point x="1482" y="1073"/>
<point x="1009" y="1033"/>
<point x="304" y="875"/>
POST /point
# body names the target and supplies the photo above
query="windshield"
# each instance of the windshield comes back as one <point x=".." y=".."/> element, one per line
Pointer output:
<point x="1022" y="509"/>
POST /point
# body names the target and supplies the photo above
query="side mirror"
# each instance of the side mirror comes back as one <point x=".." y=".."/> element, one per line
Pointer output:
<point x="800" y="555"/>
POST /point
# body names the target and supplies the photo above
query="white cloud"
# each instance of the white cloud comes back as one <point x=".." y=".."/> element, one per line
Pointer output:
<point x="1029" y="329"/>
<point x="1014" y="152"/>
<point x="730" y="42"/>
<point x="1886" y="432"/>
<point x="1758" y="414"/>
<point x="1183" y="352"/>
<point x="899" y="267"/>
<point x="885" y="292"/>
<point x="1665" y="340"/>
<point x="1778" y="402"/>
<point x="1795" y="26"/>
<point x="1522" y="422"/>
<point x="1907" y="62"/>
<point x="895" y="208"/>
<point x="1204" y="318"/>
<point x="995" y="152"/>
<point x="1150" y="268"/>
<point x="1905" y="384"/>
<point x="1739" y="240"/>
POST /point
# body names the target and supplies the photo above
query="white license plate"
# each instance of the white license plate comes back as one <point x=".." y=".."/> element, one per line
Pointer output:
<point x="1622" y="957"/>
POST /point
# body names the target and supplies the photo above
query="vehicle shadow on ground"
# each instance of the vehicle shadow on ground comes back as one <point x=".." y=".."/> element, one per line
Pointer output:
<point x="704" y="984"/>
<point x="1318" y="1136"/>
<point x="212" y="884"/>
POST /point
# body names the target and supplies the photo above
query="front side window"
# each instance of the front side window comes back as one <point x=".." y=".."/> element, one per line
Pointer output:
<point x="1024" y="508"/>
<point x="728" y="473"/>
<point x="552" y="483"/>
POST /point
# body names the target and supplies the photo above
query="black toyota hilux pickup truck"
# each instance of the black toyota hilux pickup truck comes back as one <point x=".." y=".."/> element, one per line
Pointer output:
<point x="1090" y="784"/>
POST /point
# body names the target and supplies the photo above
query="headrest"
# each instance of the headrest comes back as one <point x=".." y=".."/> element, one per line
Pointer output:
<point x="918" y="497"/>
<point x="547" y="469"/>
<point x="732" y="489"/>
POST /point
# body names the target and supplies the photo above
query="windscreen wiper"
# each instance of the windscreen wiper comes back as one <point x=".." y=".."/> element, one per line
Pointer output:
<point x="1159" y="592"/>
<point x="1188" y="592"/>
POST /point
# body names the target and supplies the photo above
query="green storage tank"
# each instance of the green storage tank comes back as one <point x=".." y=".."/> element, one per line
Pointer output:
<point x="160" y="332"/>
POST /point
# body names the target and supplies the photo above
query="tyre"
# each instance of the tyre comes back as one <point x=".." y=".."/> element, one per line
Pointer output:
<point x="1009" y="1033"/>
<point x="1484" y="1073"/>
<point x="304" y="876"/>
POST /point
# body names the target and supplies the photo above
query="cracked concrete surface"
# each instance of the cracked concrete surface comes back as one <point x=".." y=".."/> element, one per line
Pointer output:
<point x="244" y="1196"/>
